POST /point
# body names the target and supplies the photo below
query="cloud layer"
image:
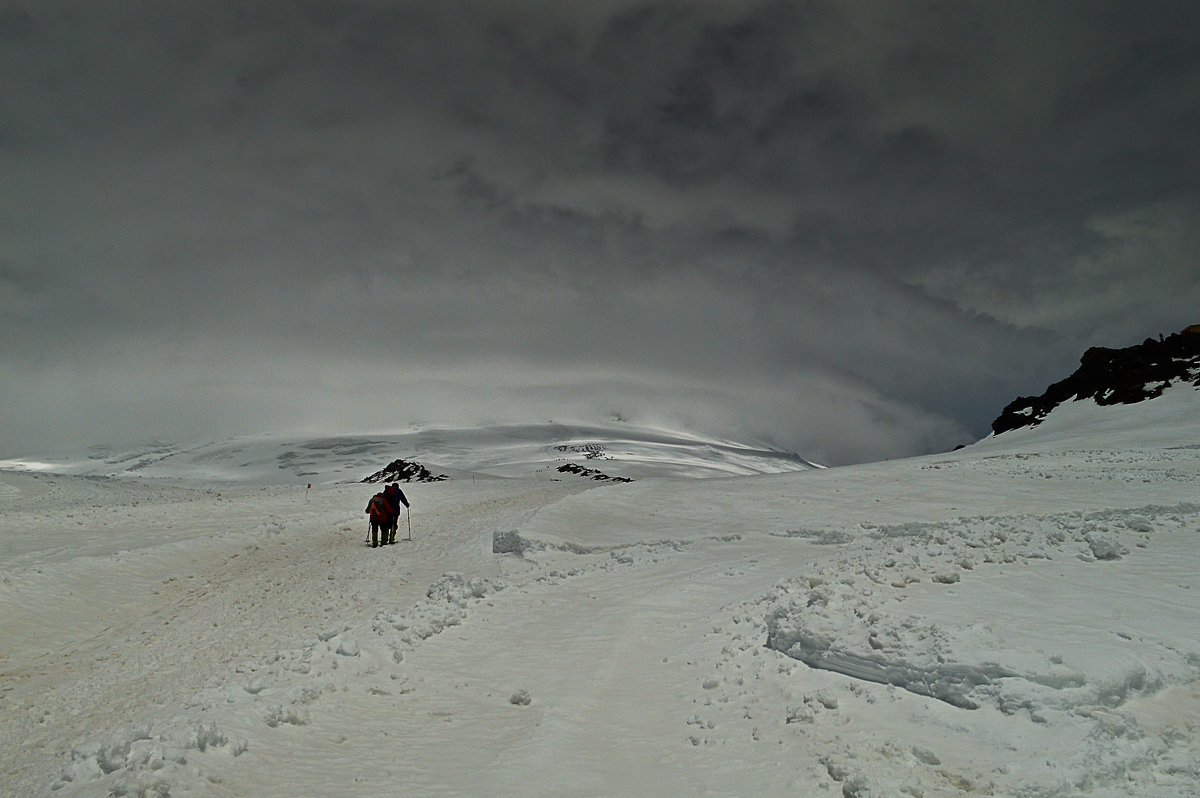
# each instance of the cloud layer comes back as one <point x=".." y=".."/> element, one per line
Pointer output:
<point x="851" y="229"/>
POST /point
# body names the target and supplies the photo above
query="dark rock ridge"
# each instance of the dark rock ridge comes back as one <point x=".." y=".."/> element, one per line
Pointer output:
<point x="1111" y="377"/>
<point x="590" y="473"/>
<point x="592" y="451"/>
<point x="404" y="471"/>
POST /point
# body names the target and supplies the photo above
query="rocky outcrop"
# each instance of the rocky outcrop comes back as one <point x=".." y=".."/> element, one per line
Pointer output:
<point x="1113" y="376"/>
<point x="590" y="473"/>
<point x="404" y="471"/>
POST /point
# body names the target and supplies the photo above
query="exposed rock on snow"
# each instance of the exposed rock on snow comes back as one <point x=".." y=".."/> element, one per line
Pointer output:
<point x="1113" y="376"/>
<point x="589" y="473"/>
<point x="403" y="471"/>
<point x="591" y="451"/>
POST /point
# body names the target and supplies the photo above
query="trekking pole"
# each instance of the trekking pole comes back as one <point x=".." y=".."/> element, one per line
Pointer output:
<point x="408" y="512"/>
<point x="368" y="539"/>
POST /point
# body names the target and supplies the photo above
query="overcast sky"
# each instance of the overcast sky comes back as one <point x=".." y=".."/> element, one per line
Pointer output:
<point x="851" y="228"/>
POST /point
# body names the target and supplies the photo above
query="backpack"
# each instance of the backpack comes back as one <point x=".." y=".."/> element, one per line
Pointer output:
<point x="378" y="508"/>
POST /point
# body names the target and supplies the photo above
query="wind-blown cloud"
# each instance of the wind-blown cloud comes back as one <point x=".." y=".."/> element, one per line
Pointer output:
<point x="854" y="229"/>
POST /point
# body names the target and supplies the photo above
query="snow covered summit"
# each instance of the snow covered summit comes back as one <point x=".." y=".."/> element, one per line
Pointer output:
<point x="615" y="451"/>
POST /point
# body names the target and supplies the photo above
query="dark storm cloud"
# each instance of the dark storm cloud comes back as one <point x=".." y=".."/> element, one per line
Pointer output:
<point x="854" y="228"/>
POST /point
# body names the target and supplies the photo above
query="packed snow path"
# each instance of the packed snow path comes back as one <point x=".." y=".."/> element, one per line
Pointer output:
<point x="1004" y="621"/>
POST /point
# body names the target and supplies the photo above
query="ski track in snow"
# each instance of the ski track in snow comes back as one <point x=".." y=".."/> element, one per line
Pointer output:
<point x="992" y="622"/>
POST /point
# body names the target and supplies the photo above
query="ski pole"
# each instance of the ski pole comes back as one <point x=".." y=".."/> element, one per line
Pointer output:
<point x="408" y="512"/>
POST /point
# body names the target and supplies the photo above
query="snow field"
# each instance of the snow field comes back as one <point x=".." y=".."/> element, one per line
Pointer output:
<point x="1005" y="620"/>
<point x="1024" y="645"/>
<point x="93" y="637"/>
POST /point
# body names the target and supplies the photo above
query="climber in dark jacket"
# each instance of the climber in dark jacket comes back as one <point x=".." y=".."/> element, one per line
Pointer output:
<point x="394" y="497"/>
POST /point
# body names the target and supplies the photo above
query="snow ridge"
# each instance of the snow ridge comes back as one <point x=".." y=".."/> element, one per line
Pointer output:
<point x="516" y="451"/>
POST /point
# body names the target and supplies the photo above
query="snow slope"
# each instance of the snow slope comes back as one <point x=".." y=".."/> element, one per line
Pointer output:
<point x="531" y="450"/>
<point x="1020" y="617"/>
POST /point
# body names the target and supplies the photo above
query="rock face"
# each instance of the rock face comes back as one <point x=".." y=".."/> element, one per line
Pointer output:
<point x="404" y="471"/>
<point x="590" y="473"/>
<point x="1113" y="376"/>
